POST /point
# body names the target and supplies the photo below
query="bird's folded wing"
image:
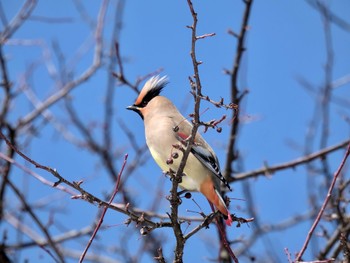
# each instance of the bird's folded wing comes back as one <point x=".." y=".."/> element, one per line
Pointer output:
<point x="209" y="161"/>
<point x="206" y="157"/>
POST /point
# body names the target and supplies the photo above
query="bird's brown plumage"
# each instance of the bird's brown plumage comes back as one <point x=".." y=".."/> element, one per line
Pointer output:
<point x="165" y="128"/>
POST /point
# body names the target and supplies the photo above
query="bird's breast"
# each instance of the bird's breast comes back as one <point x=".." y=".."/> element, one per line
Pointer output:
<point x="161" y="140"/>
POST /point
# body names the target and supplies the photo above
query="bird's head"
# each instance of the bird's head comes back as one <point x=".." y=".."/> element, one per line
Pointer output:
<point x="150" y="90"/>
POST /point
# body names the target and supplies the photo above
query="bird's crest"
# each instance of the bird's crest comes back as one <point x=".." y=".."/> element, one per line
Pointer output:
<point x="151" y="89"/>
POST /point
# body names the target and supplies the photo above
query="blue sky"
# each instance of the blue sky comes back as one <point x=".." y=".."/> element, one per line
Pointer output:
<point x="285" y="43"/>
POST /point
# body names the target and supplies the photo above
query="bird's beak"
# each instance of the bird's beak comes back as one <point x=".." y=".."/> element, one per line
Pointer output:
<point x="132" y="107"/>
<point x="135" y="109"/>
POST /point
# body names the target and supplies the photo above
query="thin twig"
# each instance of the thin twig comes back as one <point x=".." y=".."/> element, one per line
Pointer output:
<point x="323" y="207"/>
<point x="116" y="189"/>
<point x="236" y="94"/>
<point x="291" y="164"/>
<point x="37" y="240"/>
<point x="84" y="195"/>
<point x="81" y="79"/>
<point x="40" y="224"/>
<point x="35" y="175"/>
<point x="120" y="75"/>
<point x="160" y="258"/>
<point x="224" y="241"/>
<point x="18" y="20"/>
<point x="5" y="83"/>
<point x="174" y="200"/>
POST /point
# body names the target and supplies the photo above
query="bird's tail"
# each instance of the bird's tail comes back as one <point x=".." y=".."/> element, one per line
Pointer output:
<point x="213" y="195"/>
<point x="223" y="209"/>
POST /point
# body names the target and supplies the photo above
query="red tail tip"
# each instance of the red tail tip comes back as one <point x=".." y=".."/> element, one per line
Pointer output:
<point x="229" y="220"/>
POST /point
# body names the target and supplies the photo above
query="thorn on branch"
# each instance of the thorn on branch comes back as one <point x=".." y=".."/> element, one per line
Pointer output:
<point x="160" y="257"/>
<point x="141" y="218"/>
<point x="241" y="220"/>
<point x="205" y="36"/>
<point x="128" y="221"/>
<point x="345" y="247"/>
<point x="232" y="33"/>
<point x="78" y="183"/>
<point x="192" y="84"/>
<point x="233" y="106"/>
<point x="227" y="71"/>
<point x="268" y="172"/>
<point x="213" y="124"/>
<point x="57" y="183"/>
<point x="174" y="200"/>
<point x="145" y="230"/>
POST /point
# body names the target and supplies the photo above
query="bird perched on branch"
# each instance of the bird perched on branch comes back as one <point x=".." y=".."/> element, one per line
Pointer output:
<point x="167" y="134"/>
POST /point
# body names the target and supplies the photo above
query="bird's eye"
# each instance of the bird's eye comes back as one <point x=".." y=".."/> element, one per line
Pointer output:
<point x="144" y="103"/>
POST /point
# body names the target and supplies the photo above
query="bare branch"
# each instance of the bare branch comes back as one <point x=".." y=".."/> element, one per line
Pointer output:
<point x="292" y="164"/>
<point x="38" y="222"/>
<point x="318" y="218"/>
<point x="18" y="20"/>
<point x="81" y="79"/>
<point x="236" y="94"/>
<point x="116" y="189"/>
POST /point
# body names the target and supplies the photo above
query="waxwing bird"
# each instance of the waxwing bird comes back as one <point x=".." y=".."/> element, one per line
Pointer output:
<point x="165" y="129"/>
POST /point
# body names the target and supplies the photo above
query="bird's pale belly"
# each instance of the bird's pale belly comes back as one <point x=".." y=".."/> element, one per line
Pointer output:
<point x="191" y="180"/>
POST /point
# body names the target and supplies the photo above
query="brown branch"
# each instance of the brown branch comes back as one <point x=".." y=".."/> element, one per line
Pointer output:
<point x="236" y="96"/>
<point x="321" y="7"/>
<point x="174" y="198"/>
<point x="292" y="164"/>
<point x="37" y="240"/>
<point x="110" y="91"/>
<point x="160" y="258"/>
<point x="118" y="206"/>
<point x="35" y="175"/>
<point x="345" y="247"/>
<point x="17" y="21"/>
<point x="116" y="189"/>
<point x="3" y="17"/>
<point x="5" y="170"/>
<point x="265" y="229"/>
<point x="333" y="240"/>
<point x="318" y="218"/>
<point x="84" y="14"/>
<point x="224" y="241"/>
<point x="81" y="79"/>
<point x="54" y="20"/>
<point x="84" y="195"/>
<point x="103" y="150"/>
<point x="5" y="83"/>
<point x="120" y="75"/>
<point x="28" y="208"/>
<point x="220" y="104"/>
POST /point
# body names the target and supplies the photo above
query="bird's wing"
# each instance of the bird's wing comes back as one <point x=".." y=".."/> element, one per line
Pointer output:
<point x="206" y="157"/>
